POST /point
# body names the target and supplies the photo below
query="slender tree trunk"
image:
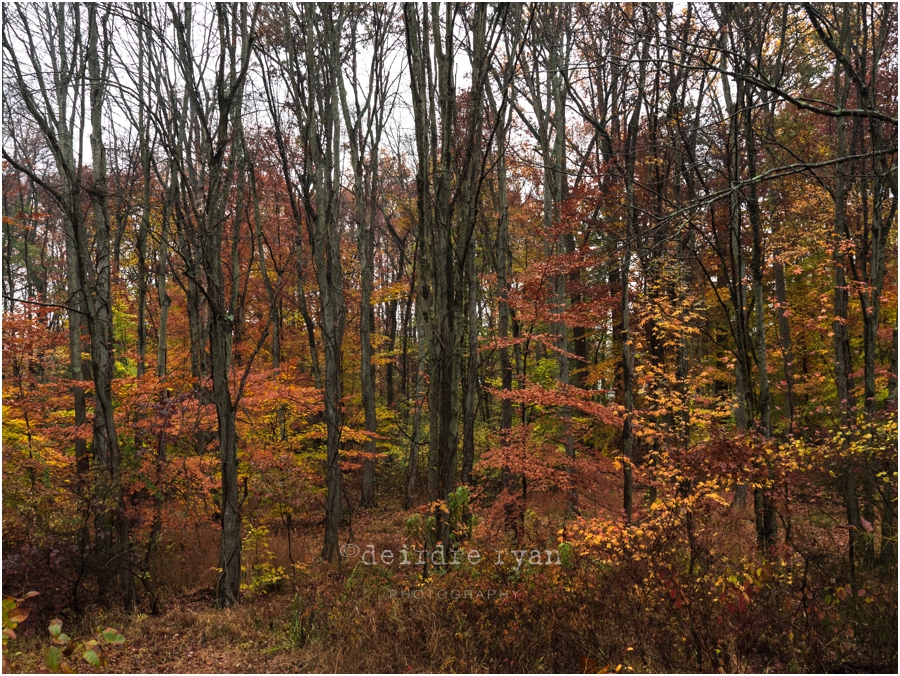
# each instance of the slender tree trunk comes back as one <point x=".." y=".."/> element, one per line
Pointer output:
<point x="842" y="355"/>
<point x="468" y="448"/>
<point x="144" y="228"/>
<point x="319" y="115"/>
<point x="766" y="523"/>
<point x="106" y="443"/>
<point x="76" y="366"/>
<point x="630" y="235"/>
<point x="415" y="441"/>
<point x="287" y="174"/>
<point x="236" y="30"/>
<point x="787" y="345"/>
<point x="367" y="368"/>
<point x="271" y="291"/>
<point x="162" y="348"/>
<point x="364" y="126"/>
<point x="744" y="410"/>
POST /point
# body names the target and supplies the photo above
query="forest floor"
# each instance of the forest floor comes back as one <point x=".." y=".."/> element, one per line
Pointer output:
<point x="265" y="633"/>
<point x="191" y="636"/>
<point x="354" y="618"/>
<point x="300" y="625"/>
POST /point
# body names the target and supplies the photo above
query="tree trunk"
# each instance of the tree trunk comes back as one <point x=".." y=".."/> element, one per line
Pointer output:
<point x="784" y="333"/>
<point x="234" y="50"/>
<point x="630" y="234"/>
<point x="99" y="304"/>
<point x="364" y="127"/>
<point x="320" y="107"/>
<point x="766" y="523"/>
<point x="468" y="449"/>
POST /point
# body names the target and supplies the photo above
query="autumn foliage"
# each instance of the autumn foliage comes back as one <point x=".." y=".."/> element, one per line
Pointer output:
<point x="614" y="314"/>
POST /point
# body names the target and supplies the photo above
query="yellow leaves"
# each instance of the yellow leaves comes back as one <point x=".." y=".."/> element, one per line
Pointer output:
<point x="717" y="498"/>
<point x="383" y="358"/>
<point x="390" y="292"/>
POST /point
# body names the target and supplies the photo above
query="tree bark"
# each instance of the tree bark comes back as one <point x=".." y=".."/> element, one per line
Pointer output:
<point x="99" y="304"/>
<point x="631" y="226"/>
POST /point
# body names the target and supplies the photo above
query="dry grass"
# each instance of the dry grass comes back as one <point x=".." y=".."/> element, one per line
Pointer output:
<point x="587" y="618"/>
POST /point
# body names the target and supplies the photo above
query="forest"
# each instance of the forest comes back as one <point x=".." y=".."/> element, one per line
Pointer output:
<point x="449" y="337"/>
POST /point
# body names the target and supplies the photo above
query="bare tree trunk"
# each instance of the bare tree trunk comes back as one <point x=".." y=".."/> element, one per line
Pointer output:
<point x="271" y="291"/>
<point x="504" y="268"/>
<point x="318" y="109"/>
<point x="87" y="267"/>
<point x="444" y="363"/>
<point x="766" y="523"/>
<point x="842" y="355"/>
<point x="468" y="447"/>
<point x="365" y="123"/>
<point x="415" y="441"/>
<point x="144" y="228"/>
<point x="106" y="443"/>
<point x="443" y="255"/>
<point x="287" y="174"/>
<point x="744" y="411"/>
<point x="236" y="30"/>
<point x="630" y="234"/>
<point x="784" y="334"/>
<point x="162" y="348"/>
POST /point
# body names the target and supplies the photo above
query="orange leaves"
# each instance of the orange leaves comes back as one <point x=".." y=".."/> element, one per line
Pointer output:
<point x="266" y="386"/>
<point x="546" y="340"/>
<point x="565" y="395"/>
<point x="355" y="436"/>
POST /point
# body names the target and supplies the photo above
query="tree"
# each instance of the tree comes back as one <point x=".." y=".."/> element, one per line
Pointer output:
<point x="236" y="27"/>
<point x="365" y="121"/>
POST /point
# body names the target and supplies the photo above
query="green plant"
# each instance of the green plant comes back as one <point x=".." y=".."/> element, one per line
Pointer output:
<point x="261" y="575"/>
<point x="58" y="655"/>
<point x="462" y="521"/>
<point x="13" y="616"/>
<point x="414" y="530"/>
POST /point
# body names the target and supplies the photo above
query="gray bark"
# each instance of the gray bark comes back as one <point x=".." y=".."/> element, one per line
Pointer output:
<point x="235" y="29"/>
<point x="316" y="103"/>
<point x="624" y="278"/>
<point x="365" y="121"/>
<point x="99" y="305"/>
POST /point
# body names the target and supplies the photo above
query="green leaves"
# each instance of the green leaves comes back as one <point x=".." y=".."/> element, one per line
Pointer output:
<point x="54" y="659"/>
<point x="13" y="616"/>
<point x="55" y="628"/>
<point x="57" y="658"/>
<point x="566" y="554"/>
<point x="92" y="658"/>
<point x="112" y="636"/>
